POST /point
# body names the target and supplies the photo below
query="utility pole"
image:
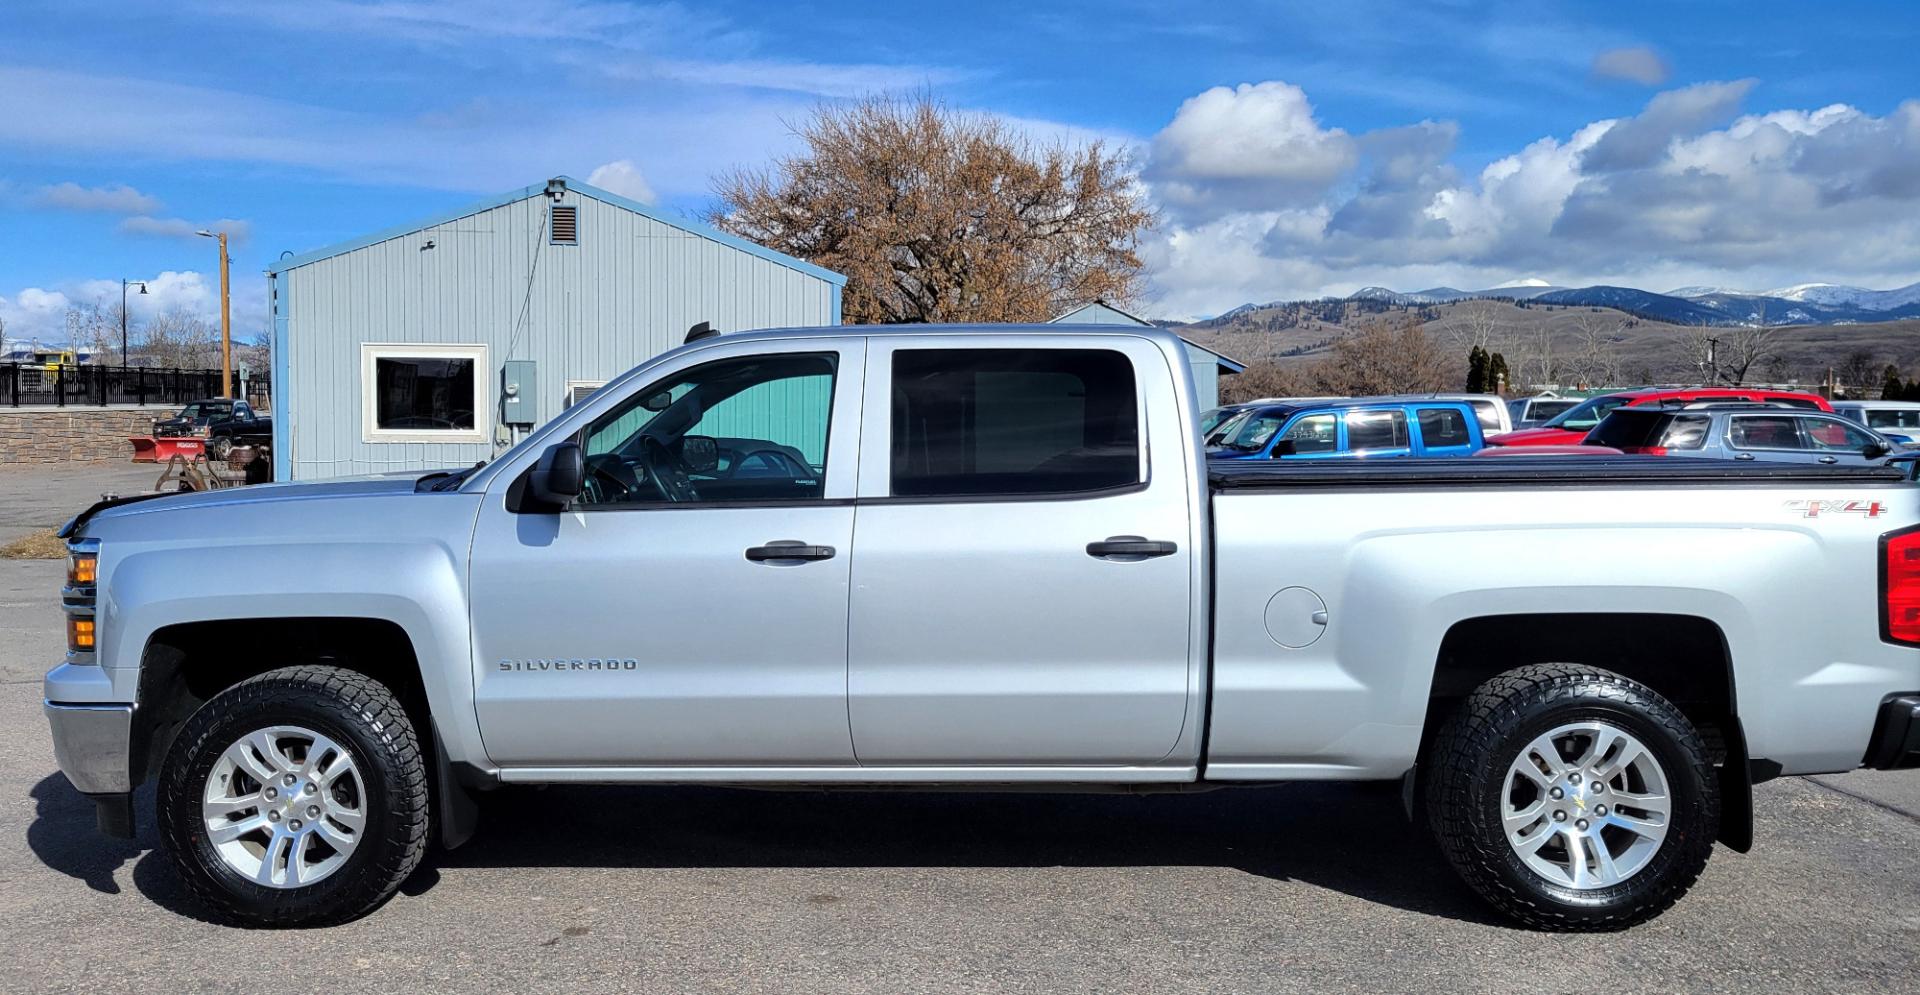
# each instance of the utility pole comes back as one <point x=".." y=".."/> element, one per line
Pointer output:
<point x="226" y="319"/>
<point x="1713" y="367"/>
<point x="123" y="316"/>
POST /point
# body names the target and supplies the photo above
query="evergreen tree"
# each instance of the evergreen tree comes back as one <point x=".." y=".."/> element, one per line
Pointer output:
<point x="1476" y="370"/>
<point x="1893" y="389"/>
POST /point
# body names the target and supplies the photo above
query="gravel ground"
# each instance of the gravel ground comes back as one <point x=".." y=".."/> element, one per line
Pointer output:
<point x="1297" y="888"/>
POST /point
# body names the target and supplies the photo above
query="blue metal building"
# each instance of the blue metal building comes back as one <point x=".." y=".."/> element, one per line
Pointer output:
<point x="1208" y="366"/>
<point x="432" y="344"/>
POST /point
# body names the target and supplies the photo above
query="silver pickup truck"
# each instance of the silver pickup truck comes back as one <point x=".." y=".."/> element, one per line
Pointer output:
<point x="965" y="557"/>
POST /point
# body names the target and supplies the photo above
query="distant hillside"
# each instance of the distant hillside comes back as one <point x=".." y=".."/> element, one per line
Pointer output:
<point x="1644" y="350"/>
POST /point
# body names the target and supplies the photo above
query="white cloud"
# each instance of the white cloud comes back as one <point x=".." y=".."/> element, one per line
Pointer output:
<point x="35" y="313"/>
<point x="117" y="198"/>
<point x="1255" y="144"/>
<point x="622" y="177"/>
<point x="1634" y="63"/>
<point x="1684" y="192"/>
<point x="237" y="230"/>
<point x="41" y="313"/>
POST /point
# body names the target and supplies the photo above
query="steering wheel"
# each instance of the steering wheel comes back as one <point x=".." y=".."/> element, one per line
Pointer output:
<point x="609" y="480"/>
<point x="669" y="475"/>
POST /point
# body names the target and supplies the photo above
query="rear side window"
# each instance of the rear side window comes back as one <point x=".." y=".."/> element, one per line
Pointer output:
<point x="1764" y="432"/>
<point x="1379" y="429"/>
<point x="1893" y="417"/>
<point x="1687" y="432"/>
<point x="1488" y="411"/>
<point x="980" y="422"/>
<point x="1626" y="428"/>
<point x="1443" y="427"/>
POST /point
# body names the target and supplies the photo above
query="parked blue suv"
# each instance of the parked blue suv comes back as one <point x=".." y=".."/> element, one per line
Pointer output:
<point x="1358" y="426"/>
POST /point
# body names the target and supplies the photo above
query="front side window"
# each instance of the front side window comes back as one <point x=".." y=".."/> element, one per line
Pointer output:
<point x="1314" y="434"/>
<point x="748" y="429"/>
<point x="1440" y="427"/>
<point x="1764" y="432"/>
<point x="1834" y="435"/>
<point x="978" y="422"/>
<point x="1584" y="416"/>
<point x="424" y="393"/>
<point x="1380" y="429"/>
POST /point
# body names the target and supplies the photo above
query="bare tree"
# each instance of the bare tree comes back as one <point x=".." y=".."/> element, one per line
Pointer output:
<point x="1597" y="363"/>
<point x="1266" y="378"/>
<point x="1474" y="324"/>
<point x="182" y="340"/>
<point x="1743" y="348"/>
<point x="1858" y="371"/>
<point x="938" y="215"/>
<point x="1532" y="361"/>
<point x="1698" y="346"/>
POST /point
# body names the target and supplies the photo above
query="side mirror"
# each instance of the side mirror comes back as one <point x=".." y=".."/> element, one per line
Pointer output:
<point x="557" y="477"/>
<point x="1874" y="450"/>
<point x="1285" y="447"/>
<point x="699" y="453"/>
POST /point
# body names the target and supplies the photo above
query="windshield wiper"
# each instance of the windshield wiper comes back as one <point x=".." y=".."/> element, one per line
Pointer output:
<point x="446" y="480"/>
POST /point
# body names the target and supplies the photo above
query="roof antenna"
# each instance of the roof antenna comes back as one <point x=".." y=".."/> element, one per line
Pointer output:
<point x="703" y="330"/>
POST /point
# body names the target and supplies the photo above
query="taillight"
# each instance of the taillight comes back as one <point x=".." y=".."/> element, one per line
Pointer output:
<point x="1645" y="450"/>
<point x="1900" y="586"/>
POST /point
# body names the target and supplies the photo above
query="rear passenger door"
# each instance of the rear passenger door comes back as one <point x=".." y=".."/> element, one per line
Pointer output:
<point x="1771" y="437"/>
<point x="1443" y="431"/>
<point x="1022" y="585"/>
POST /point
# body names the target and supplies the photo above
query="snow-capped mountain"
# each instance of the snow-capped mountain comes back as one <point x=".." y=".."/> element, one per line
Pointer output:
<point x="1841" y="296"/>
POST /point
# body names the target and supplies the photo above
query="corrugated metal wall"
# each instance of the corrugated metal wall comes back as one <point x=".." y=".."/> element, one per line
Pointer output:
<point x="628" y="291"/>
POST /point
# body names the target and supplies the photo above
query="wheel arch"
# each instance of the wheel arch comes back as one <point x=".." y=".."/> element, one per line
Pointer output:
<point x="1683" y="657"/>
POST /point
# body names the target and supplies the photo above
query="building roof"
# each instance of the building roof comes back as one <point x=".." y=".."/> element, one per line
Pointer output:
<point x="572" y="185"/>
<point x="1100" y="311"/>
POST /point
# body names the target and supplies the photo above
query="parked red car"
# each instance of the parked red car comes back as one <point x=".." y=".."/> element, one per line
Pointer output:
<point x="1571" y="426"/>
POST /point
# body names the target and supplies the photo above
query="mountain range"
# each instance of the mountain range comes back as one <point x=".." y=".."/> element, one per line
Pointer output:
<point x="1805" y="304"/>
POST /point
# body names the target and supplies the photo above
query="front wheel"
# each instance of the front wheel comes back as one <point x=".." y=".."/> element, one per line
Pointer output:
<point x="295" y="798"/>
<point x="1573" y="798"/>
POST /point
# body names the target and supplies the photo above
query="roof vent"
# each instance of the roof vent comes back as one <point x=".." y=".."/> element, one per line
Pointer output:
<point x="565" y="224"/>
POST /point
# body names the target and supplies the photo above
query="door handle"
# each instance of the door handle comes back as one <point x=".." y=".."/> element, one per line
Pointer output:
<point x="788" y="549"/>
<point x="1744" y="456"/>
<point x="1829" y="459"/>
<point x="1131" y="546"/>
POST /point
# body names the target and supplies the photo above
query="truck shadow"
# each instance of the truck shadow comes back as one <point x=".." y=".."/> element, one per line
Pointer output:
<point x="1348" y="838"/>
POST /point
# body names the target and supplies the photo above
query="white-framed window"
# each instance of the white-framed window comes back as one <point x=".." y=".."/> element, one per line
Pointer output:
<point x="425" y="393"/>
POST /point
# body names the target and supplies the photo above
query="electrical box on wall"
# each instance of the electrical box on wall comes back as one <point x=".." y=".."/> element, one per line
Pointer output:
<point x="519" y="399"/>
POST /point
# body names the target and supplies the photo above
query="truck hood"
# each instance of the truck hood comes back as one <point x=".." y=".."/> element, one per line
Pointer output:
<point x="143" y="504"/>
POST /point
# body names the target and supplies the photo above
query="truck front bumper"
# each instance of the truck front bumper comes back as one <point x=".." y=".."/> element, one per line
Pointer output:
<point x="92" y="745"/>
<point x="1896" y="734"/>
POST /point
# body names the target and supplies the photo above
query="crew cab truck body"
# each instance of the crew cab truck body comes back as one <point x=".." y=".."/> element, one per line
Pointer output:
<point x="989" y="556"/>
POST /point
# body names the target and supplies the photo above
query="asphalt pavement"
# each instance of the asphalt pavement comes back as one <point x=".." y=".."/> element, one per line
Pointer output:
<point x="1297" y="888"/>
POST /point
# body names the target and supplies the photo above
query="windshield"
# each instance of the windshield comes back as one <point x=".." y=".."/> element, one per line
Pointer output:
<point x="1227" y="427"/>
<point x="1585" y="415"/>
<point x="1250" y="433"/>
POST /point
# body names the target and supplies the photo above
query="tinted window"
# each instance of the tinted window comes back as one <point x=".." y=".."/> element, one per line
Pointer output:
<point x="1549" y="408"/>
<point x="748" y="429"/>
<point x="1443" y="427"/>
<point x="1628" y="429"/>
<point x="1380" y="429"/>
<point x="1764" y="432"/>
<point x="423" y="393"/>
<point x="1893" y="417"/>
<point x="969" y="422"/>
<point x="1314" y="434"/>
<point x="1687" y="432"/>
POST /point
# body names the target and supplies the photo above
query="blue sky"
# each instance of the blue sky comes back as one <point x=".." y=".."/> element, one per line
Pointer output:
<point x="1292" y="149"/>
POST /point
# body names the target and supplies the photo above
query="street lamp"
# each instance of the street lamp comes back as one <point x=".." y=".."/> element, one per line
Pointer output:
<point x="123" y="316"/>
<point x="226" y="318"/>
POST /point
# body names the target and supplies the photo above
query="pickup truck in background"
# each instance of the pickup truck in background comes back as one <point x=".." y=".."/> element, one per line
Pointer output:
<point x="948" y="557"/>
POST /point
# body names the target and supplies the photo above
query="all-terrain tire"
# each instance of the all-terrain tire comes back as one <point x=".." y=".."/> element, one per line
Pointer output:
<point x="1467" y="780"/>
<point x="353" y="710"/>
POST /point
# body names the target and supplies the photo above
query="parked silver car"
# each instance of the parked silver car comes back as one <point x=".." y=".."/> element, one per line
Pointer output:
<point x="1897" y="420"/>
<point x="1741" y="432"/>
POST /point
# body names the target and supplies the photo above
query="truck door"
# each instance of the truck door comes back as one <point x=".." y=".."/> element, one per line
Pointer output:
<point x="1024" y="573"/>
<point x="690" y="609"/>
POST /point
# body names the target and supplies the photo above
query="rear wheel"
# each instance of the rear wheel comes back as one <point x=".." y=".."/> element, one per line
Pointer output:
<point x="1573" y="798"/>
<point x="295" y="798"/>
